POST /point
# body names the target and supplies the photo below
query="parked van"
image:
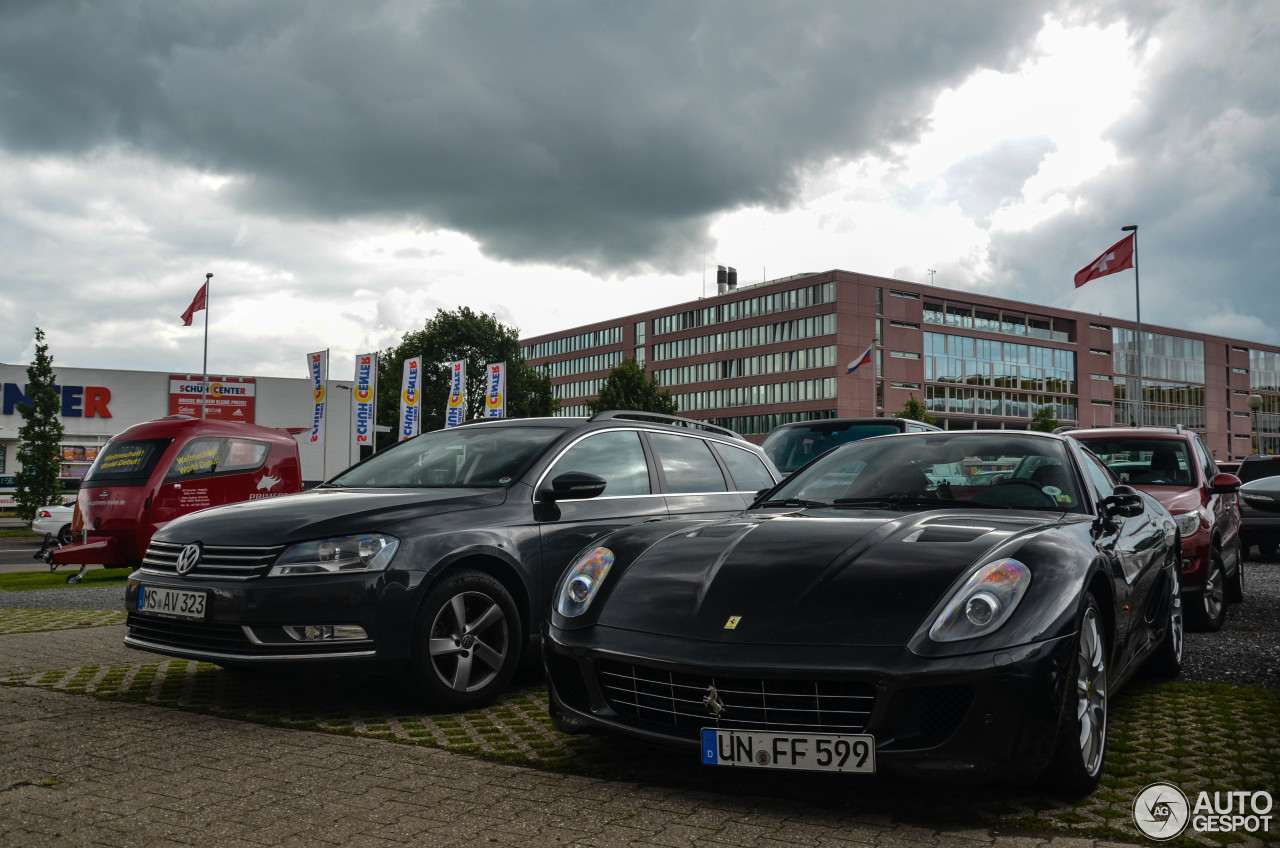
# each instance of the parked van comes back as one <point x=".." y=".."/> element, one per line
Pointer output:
<point x="792" y="445"/>
<point x="153" y="472"/>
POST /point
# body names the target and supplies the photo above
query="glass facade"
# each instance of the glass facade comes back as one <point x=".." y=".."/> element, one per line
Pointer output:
<point x="1172" y="379"/>
<point x="758" y="425"/>
<point x="1002" y="365"/>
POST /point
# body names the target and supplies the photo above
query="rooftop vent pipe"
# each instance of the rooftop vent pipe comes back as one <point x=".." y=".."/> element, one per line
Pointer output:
<point x="722" y="279"/>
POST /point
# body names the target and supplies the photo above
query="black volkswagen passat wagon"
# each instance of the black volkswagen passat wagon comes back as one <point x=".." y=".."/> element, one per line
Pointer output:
<point x="437" y="555"/>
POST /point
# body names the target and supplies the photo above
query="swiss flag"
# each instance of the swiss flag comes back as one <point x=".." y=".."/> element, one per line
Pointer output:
<point x="1116" y="258"/>
<point x="196" y="305"/>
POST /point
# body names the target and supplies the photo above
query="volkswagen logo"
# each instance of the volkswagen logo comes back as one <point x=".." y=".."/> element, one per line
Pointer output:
<point x="188" y="559"/>
<point x="712" y="702"/>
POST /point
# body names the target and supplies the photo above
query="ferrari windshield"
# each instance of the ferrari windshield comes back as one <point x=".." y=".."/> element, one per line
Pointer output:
<point x="475" y="456"/>
<point x="982" y="469"/>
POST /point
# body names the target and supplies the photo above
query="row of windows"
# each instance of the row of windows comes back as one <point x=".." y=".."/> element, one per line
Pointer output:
<point x="734" y="310"/>
<point x="583" y="364"/>
<point x="821" y="389"/>
<point x="761" y="334"/>
<point x="1163" y="357"/>
<point x="996" y="351"/>
<point x="1155" y="391"/>
<point x="577" y="389"/>
<point x="1000" y="375"/>
<point x="752" y="425"/>
<point x="992" y="320"/>
<point x="1160" y="415"/>
<point x="749" y="366"/>
<point x="568" y="344"/>
<point x="1000" y="404"/>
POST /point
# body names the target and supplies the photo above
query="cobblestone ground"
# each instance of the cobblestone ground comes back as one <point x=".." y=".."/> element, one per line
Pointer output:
<point x="88" y="727"/>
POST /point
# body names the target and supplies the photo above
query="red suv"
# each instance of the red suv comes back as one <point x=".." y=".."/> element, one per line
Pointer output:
<point x="1174" y="467"/>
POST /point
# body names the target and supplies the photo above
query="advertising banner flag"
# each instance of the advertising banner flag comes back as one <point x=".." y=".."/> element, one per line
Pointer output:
<point x="364" y="394"/>
<point x="495" y="399"/>
<point x="455" y="412"/>
<point x="410" y="399"/>
<point x="1116" y="258"/>
<point x="318" y="367"/>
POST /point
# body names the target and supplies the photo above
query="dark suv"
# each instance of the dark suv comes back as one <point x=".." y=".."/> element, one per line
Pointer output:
<point x="1174" y="466"/>
<point x="1260" y="504"/>
<point x="437" y="555"/>
<point x="792" y="445"/>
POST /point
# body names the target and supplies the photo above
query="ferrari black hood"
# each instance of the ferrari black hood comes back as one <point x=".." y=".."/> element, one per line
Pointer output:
<point x="320" y="512"/>
<point x="848" y="578"/>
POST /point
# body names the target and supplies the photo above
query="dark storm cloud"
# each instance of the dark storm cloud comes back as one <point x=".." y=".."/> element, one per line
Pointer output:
<point x="602" y="135"/>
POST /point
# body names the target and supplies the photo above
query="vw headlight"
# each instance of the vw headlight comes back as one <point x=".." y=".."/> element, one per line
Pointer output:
<point x="341" y="554"/>
<point x="1188" y="523"/>
<point x="983" y="603"/>
<point x="582" y="581"/>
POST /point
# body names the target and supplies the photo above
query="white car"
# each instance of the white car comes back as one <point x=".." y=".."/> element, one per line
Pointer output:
<point x="54" y="521"/>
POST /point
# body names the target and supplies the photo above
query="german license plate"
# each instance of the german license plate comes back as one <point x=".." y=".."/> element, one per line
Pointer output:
<point x="174" y="603"/>
<point x="748" y="749"/>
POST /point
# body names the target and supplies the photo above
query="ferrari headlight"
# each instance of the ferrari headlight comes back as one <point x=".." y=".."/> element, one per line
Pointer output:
<point x="983" y="603"/>
<point x="1188" y="523"/>
<point x="582" y="581"/>
<point x="340" y="554"/>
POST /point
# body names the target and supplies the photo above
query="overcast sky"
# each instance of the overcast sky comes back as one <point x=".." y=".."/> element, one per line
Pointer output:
<point x="345" y="169"/>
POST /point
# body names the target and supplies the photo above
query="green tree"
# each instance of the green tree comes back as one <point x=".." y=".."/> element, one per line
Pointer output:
<point x="477" y="339"/>
<point x="915" y="409"/>
<point x="628" y="387"/>
<point x="40" y="451"/>
<point x="1043" y="420"/>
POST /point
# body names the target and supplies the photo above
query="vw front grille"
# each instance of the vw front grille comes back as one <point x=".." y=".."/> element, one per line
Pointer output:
<point x="232" y="563"/>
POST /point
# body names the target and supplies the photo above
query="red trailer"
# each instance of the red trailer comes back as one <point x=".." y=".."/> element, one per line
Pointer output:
<point x="154" y="472"/>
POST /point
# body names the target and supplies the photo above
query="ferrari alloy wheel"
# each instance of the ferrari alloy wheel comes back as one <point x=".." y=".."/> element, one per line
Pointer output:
<point x="1082" y="728"/>
<point x="468" y="642"/>
<point x="1211" y="612"/>
<point x="1167" y="661"/>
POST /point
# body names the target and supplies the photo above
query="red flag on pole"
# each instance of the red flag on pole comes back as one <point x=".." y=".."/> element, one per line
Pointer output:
<point x="1116" y="258"/>
<point x="196" y="305"/>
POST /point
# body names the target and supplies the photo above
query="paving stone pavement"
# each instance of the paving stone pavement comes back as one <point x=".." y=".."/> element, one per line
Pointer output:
<point x="76" y="771"/>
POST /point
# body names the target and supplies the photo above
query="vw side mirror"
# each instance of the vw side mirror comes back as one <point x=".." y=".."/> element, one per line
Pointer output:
<point x="573" y="486"/>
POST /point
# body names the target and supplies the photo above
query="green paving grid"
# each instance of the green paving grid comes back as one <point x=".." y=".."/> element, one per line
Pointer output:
<point x="1197" y="736"/>
<point x="40" y="620"/>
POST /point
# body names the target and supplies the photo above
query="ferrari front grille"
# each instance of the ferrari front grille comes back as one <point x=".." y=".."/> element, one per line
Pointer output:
<point x="670" y="701"/>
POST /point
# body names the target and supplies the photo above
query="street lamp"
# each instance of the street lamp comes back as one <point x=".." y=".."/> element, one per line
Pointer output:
<point x="1255" y="403"/>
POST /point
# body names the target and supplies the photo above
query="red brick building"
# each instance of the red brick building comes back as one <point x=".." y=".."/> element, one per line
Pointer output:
<point x="752" y="357"/>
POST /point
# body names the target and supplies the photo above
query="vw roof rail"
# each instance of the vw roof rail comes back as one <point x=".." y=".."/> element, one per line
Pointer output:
<point x="659" y="417"/>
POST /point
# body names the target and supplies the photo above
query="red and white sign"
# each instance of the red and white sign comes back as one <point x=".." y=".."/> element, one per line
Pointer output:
<point x="230" y="398"/>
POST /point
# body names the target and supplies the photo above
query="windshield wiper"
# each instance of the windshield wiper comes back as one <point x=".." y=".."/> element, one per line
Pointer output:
<point x="795" y="502"/>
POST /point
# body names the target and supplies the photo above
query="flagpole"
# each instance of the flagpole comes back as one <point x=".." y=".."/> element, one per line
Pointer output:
<point x="204" y="385"/>
<point x="1137" y="297"/>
